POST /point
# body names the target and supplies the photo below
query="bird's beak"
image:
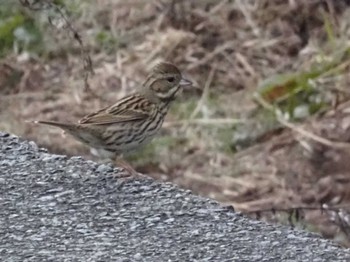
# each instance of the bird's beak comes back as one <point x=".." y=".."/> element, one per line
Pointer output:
<point x="185" y="82"/>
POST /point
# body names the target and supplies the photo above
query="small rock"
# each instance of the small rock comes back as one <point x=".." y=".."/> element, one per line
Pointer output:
<point x="50" y="157"/>
<point x="104" y="168"/>
<point x="33" y="145"/>
<point x="138" y="256"/>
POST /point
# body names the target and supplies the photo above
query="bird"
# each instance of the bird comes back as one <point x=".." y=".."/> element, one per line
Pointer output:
<point x="130" y="122"/>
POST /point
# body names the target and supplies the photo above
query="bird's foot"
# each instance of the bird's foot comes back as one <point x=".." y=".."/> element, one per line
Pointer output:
<point x="129" y="170"/>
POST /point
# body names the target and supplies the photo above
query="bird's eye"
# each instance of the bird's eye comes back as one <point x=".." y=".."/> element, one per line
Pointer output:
<point x="170" y="79"/>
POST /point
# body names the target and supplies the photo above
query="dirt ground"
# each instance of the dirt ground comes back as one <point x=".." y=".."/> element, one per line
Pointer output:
<point x="217" y="141"/>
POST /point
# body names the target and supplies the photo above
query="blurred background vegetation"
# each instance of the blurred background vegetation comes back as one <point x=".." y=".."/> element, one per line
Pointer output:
<point x="267" y="126"/>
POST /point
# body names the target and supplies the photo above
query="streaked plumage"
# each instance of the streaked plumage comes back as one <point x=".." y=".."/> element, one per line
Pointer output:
<point x="133" y="120"/>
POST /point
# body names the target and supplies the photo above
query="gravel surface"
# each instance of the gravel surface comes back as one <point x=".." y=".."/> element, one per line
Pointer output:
<point x="55" y="208"/>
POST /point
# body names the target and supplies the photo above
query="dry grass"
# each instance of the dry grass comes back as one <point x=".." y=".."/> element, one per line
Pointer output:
<point x="226" y="48"/>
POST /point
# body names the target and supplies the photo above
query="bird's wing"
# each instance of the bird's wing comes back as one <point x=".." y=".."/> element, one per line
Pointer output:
<point x="131" y="108"/>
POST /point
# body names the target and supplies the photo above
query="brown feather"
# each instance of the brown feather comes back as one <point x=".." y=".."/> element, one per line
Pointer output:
<point x="128" y="109"/>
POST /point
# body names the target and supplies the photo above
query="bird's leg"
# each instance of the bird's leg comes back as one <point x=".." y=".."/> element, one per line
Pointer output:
<point x="127" y="167"/>
<point x="108" y="157"/>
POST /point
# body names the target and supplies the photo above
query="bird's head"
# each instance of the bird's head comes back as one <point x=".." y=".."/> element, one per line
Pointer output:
<point x="164" y="81"/>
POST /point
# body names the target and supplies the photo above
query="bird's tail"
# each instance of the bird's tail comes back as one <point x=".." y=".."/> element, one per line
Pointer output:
<point x="83" y="134"/>
<point x="65" y="126"/>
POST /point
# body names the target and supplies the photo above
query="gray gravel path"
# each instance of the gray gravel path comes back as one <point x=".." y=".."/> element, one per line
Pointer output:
<point x="54" y="208"/>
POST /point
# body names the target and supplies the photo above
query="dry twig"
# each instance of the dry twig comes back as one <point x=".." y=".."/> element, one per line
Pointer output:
<point x="204" y="121"/>
<point x="301" y="131"/>
<point x="39" y="5"/>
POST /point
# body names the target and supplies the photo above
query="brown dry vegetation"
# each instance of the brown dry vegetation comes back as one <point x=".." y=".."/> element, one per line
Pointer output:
<point x="217" y="140"/>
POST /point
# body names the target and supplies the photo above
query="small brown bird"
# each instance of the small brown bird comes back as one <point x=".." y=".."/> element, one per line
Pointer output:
<point x="133" y="120"/>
